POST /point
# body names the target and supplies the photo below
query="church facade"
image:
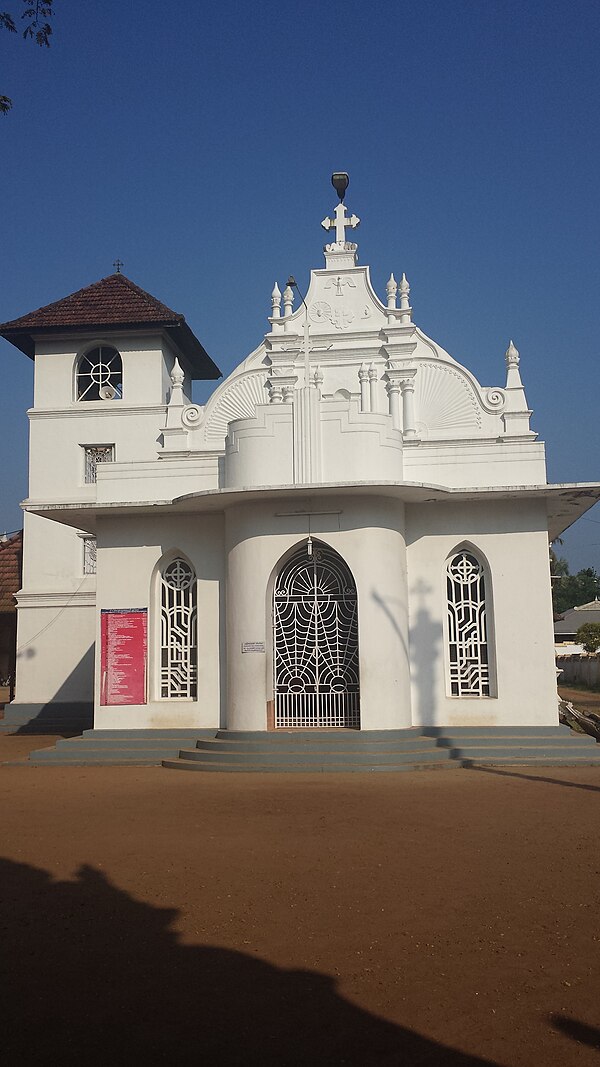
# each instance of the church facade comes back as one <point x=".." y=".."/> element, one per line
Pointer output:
<point x="351" y="533"/>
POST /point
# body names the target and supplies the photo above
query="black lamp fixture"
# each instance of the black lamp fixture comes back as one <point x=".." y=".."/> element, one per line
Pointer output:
<point x="340" y="182"/>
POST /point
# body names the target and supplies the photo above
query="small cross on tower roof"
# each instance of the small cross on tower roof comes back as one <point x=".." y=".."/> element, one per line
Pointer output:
<point x="118" y="263"/>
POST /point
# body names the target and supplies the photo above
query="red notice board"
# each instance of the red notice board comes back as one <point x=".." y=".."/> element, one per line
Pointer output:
<point x="124" y="643"/>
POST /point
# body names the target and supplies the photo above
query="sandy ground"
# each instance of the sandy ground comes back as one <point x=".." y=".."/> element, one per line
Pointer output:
<point x="437" y="917"/>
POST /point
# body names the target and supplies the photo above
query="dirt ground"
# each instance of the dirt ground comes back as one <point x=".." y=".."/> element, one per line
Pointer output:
<point x="437" y="917"/>
<point x="582" y="699"/>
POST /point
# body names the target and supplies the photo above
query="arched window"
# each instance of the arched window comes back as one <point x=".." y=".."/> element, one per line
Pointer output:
<point x="100" y="374"/>
<point x="178" y="629"/>
<point x="467" y="626"/>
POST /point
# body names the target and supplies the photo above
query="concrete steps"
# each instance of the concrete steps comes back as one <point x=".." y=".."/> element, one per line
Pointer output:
<point x="313" y="751"/>
<point x="517" y="745"/>
<point x="113" y="747"/>
<point x="328" y="751"/>
<point x="305" y="751"/>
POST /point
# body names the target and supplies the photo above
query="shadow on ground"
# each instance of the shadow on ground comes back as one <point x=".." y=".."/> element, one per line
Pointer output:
<point x="93" y="976"/>
<point x="474" y="766"/>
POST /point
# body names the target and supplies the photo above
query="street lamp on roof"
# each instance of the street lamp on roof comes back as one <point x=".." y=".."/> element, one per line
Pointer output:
<point x="340" y="182"/>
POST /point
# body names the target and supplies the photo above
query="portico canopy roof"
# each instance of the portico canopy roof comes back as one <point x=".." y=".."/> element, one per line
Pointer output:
<point x="565" y="503"/>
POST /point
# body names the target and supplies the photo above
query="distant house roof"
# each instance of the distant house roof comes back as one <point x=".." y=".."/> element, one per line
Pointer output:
<point x="570" y="620"/>
<point x="11" y="554"/>
<point x="112" y="303"/>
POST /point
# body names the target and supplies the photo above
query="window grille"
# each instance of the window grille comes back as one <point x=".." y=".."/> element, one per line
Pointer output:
<point x="89" y="555"/>
<point x="100" y="375"/>
<point x="467" y="627"/>
<point x="93" y="455"/>
<point x="178" y="615"/>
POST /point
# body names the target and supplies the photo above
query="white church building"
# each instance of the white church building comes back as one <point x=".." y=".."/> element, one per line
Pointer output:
<point x="351" y="533"/>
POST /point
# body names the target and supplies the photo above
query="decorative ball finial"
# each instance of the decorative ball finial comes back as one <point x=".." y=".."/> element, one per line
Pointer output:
<point x="340" y="182"/>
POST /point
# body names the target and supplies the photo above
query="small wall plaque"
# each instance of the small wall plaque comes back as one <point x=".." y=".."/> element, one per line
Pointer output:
<point x="253" y="646"/>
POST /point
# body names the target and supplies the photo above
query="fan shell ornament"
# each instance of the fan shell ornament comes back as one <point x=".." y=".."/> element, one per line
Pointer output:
<point x="191" y="416"/>
<point x="320" y="311"/>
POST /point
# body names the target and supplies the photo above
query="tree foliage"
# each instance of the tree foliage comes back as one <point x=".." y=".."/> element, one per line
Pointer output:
<point x="35" y="15"/>
<point x="588" y="635"/>
<point x="571" y="590"/>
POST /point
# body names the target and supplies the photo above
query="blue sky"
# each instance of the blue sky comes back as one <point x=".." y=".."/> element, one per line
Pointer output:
<point x="196" y="142"/>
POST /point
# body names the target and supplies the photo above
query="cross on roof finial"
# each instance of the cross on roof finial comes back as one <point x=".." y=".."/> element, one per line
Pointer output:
<point x="340" y="222"/>
<point x="118" y="263"/>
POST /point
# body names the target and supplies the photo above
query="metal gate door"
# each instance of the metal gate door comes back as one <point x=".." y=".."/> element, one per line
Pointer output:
<point x="315" y="623"/>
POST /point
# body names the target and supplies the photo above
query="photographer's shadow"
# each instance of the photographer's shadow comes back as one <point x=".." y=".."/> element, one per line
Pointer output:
<point x="94" y="976"/>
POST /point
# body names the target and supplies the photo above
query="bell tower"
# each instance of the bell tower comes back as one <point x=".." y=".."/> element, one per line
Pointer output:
<point x="104" y="363"/>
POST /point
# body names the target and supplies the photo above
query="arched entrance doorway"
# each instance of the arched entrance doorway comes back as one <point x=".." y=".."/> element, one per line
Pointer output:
<point x="315" y="641"/>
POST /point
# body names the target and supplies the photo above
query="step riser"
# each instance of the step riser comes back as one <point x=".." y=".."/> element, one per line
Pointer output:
<point x="531" y="761"/>
<point x="272" y="737"/>
<point x="250" y="747"/>
<point x="524" y="754"/>
<point x="284" y="758"/>
<point x="318" y="768"/>
<point x="92" y="756"/>
<point x="493" y="732"/>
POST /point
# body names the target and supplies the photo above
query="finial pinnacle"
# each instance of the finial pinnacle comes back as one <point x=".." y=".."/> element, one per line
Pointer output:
<point x="512" y="355"/>
<point x="276" y="302"/>
<point x="118" y="263"/>
<point x="177" y="375"/>
<point x="288" y="301"/>
<point x="391" y="290"/>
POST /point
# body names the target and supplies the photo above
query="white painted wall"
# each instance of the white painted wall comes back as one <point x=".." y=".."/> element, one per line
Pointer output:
<point x="368" y="534"/>
<point x="129" y="552"/>
<point x="513" y="541"/>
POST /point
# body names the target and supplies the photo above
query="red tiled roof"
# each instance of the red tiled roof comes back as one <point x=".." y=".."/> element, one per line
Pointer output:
<point x="11" y="553"/>
<point x="113" y="302"/>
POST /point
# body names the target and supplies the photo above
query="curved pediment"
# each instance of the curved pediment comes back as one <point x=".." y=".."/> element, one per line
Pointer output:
<point x="340" y="302"/>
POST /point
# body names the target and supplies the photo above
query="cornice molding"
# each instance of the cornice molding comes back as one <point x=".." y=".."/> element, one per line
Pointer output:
<point x="85" y="411"/>
<point x="80" y="598"/>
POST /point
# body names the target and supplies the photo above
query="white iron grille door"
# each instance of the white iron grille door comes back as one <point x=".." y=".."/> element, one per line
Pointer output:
<point x="316" y="642"/>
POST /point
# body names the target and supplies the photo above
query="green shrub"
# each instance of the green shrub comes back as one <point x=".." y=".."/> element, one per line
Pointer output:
<point x="588" y="635"/>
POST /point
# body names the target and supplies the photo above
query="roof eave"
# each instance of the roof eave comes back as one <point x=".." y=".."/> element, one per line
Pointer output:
<point x="184" y="339"/>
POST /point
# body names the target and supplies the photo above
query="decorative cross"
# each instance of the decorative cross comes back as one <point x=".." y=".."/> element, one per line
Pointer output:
<point x="340" y="222"/>
<point x="118" y="263"/>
